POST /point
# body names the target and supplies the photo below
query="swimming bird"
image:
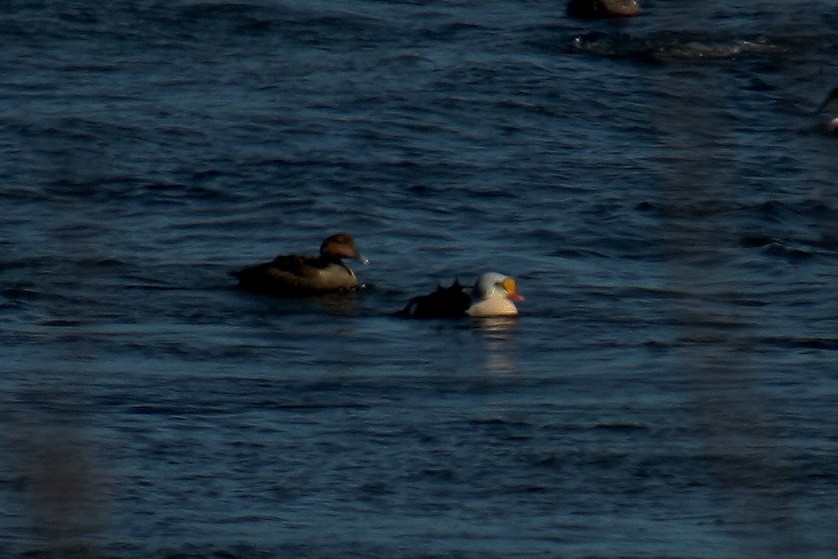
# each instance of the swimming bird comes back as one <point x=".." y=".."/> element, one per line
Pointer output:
<point x="830" y="125"/>
<point x="591" y="9"/>
<point x="492" y="295"/>
<point x="296" y="274"/>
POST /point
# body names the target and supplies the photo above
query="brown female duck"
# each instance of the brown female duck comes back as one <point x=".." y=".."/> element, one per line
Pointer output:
<point x="295" y="274"/>
<point x="590" y="9"/>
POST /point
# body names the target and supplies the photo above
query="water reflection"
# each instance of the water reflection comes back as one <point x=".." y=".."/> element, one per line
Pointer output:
<point x="730" y="413"/>
<point x="341" y="302"/>
<point x="497" y="328"/>
<point x="500" y="336"/>
<point x="61" y="491"/>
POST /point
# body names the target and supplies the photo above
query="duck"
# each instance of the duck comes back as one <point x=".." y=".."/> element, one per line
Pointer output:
<point x="591" y="9"/>
<point x="295" y="274"/>
<point x="492" y="295"/>
<point x="830" y="125"/>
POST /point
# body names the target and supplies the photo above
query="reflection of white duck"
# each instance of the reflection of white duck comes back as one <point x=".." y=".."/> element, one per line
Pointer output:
<point x="493" y="295"/>
<point x="830" y="125"/>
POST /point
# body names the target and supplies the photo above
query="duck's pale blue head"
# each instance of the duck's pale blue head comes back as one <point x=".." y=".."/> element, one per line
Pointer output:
<point x="493" y="284"/>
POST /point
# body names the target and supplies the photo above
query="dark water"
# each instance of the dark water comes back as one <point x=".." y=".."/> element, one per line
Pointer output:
<point x="659" y="188"/>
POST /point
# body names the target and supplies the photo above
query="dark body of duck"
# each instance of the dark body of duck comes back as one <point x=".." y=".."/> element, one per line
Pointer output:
<point x="296" y="274"/>
<point x="445" y="302"/>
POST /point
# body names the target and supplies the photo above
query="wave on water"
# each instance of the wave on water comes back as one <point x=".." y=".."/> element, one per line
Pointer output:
<point x="680" y="46"/>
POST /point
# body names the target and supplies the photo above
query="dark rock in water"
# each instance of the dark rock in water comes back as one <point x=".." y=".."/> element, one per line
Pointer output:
<point x="603" y="8"/>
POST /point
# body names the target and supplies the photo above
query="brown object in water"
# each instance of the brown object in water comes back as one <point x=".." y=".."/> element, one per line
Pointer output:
<point x="603" y="8"/>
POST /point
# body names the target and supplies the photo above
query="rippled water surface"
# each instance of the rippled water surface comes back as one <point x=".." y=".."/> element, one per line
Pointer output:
<point x="660" y="188"/>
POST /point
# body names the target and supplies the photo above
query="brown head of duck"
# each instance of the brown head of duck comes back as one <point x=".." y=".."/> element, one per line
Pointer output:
<point x="339" y="246"/>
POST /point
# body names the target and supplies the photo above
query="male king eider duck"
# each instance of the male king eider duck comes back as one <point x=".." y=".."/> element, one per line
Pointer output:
<point x="493" y="295"/>
<point x="295" y="274"/>
<point x="830" y="125"/>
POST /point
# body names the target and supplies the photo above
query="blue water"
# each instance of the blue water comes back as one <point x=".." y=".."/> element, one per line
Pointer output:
<point x="659" y="187"/>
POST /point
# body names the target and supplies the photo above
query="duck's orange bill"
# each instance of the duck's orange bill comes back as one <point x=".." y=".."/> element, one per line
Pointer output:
<point x="511" y="288"/>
